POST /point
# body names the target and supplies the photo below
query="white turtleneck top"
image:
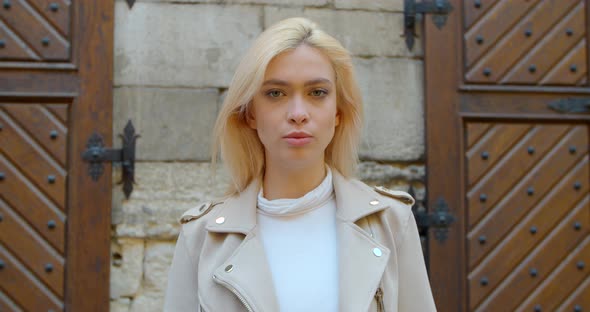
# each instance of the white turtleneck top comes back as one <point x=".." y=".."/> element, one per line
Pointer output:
<point x="299" y="237"/>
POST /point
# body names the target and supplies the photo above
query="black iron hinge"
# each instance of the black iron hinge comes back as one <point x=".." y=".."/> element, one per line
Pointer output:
<point x="438" y="8"/>
<point x="571" y="105"/>
<point x="96" y="154"/>
<point x="439" y="218"/>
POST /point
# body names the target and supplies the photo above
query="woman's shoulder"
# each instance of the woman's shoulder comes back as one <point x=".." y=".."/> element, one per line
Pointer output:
<point x="194" y="221"/>
<point x="399" y="203"/>
<point x="382" y="192"/>
<point x="199" y="211"/>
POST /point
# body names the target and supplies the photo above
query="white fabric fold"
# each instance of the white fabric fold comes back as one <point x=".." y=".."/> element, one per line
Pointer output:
<point x="294" y="206"/>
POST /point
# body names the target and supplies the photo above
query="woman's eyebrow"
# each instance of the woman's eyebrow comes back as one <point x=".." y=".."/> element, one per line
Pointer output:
<point x="317" y="81"/>
<point x="275" y="82"/>
<point x="307" y="83"/>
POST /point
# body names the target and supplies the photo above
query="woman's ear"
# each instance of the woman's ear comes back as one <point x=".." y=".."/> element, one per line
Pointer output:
<point x="250" y="116"/>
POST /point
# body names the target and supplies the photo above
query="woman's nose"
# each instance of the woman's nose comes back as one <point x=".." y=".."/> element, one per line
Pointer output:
<point x="298" y="111"/>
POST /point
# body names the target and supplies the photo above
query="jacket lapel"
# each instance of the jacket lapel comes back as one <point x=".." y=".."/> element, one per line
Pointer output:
<point x="362" y="258"/>
<point x="246" y="272"/>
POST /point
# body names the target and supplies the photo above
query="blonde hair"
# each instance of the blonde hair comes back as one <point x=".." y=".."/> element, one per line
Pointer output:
<point x="241" y="150"/>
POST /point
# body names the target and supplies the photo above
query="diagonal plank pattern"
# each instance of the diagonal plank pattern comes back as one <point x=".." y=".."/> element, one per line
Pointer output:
<point x="35" y="30"/>
<point x="535" y="42"/>
<point x="531" y="227"/>
<point x="33" y="164"/>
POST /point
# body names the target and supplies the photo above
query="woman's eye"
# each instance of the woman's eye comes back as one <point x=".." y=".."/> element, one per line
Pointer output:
<point x="319" y="92"/>
<point x="274" y="93"/>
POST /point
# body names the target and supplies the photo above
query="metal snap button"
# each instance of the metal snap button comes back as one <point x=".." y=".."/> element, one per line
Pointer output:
<point x="229" y="268"/>
<point x="377" y="252"/>
<point x="374" y="202"/>
<point x="220" y="220"/>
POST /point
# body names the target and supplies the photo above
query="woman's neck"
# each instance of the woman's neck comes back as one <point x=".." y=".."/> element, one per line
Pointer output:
<point x="281" y="182"/>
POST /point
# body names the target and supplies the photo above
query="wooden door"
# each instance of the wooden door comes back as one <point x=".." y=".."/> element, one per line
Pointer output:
<point x="511" y="165"/>
<point x="55" y="91"/>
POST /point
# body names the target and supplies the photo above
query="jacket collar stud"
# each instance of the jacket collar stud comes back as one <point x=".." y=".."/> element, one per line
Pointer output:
<point x="374" y="202"/>
<point x="377" y="252"/>
<point x="220" y="220"/>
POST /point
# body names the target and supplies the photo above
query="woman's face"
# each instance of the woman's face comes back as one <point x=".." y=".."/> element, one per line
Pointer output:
<point x="295" y="112"/>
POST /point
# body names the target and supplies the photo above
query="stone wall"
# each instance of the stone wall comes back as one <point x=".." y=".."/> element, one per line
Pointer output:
<point x="173" y="62"/>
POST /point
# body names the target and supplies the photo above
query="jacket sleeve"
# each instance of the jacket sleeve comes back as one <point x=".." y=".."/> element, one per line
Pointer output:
<point x="181" y="292"/>
<point x="414" y="290"/>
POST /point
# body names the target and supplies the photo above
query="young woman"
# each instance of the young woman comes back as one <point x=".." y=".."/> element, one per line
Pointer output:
<point x="296" y="231"/>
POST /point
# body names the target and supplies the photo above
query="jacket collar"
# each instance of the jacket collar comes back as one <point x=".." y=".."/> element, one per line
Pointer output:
<point x="238" y="212"/>
<point x="354" y="201"/>
<point x="360" y="267"/>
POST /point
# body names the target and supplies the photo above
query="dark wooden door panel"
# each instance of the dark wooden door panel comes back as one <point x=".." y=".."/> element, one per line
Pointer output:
<point x="36" y="120"/>
<point x="30" y="203"/>
<point x="32" y="160"/>
<point x="44" y="36"/>
<point x="562" y="282"/>
<point x="528" y="233"/>
<point x="32" y="251"/>
<point x="578" y="298"/>
<point x="547" y="29"/>
<point x="517" y="202"/>
<point x="56" y="73"/>
<point x="499" y="19"/>
<point x="57" y="13"/>
<point x="23" y="288"/>
<point x="490" y="149"/>
<point x="550" y="51"/>
<point x="475" y="130"/>
<point x="491" y="188"/>
<point x="521" y="173"/>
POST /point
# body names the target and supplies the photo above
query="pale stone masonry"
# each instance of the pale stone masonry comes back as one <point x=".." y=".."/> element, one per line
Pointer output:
<point x="174" y="60"/>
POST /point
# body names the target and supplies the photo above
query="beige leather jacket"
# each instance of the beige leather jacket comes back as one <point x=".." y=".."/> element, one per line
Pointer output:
<point x="219" y="263"/>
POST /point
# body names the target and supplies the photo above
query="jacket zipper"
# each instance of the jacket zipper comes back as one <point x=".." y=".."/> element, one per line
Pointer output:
<point x="379" y="292"/>
<point x="235" y="292"/>
<point x="379" y="299"/>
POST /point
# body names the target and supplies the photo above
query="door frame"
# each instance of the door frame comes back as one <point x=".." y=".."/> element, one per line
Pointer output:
<point x="89" y="202"/>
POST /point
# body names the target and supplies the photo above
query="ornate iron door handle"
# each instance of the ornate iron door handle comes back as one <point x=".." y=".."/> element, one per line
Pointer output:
<point x="571" y="105"/>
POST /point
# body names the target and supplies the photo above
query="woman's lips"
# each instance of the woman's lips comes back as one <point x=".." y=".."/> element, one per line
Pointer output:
<point x="298" y="141"/>
<point x="298" y="138"/>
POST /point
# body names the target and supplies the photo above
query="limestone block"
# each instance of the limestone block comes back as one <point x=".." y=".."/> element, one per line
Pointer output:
<point x="120" y="305"/>
<point x="156" y="263"/>
<point x="273" y="14"/>
<point x="290" y="3"/>
<point x="385" y="173"/>
<point x="148" y="301"/>
<point x="162" y="193"/>
<point x="174" y="124"/>
<point x="362" y="33"/>
<point x="150" y="231"/>
<point x="379" y="5"/>
<point x="276" y="2"/>
<point x="366" y="33"/>
<point x="395" y="176"/>
<point x="158" y="257"/>
<point x="168" y="44"/>
<point x="126" y="268"/>
<point x="392" y="91"/>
